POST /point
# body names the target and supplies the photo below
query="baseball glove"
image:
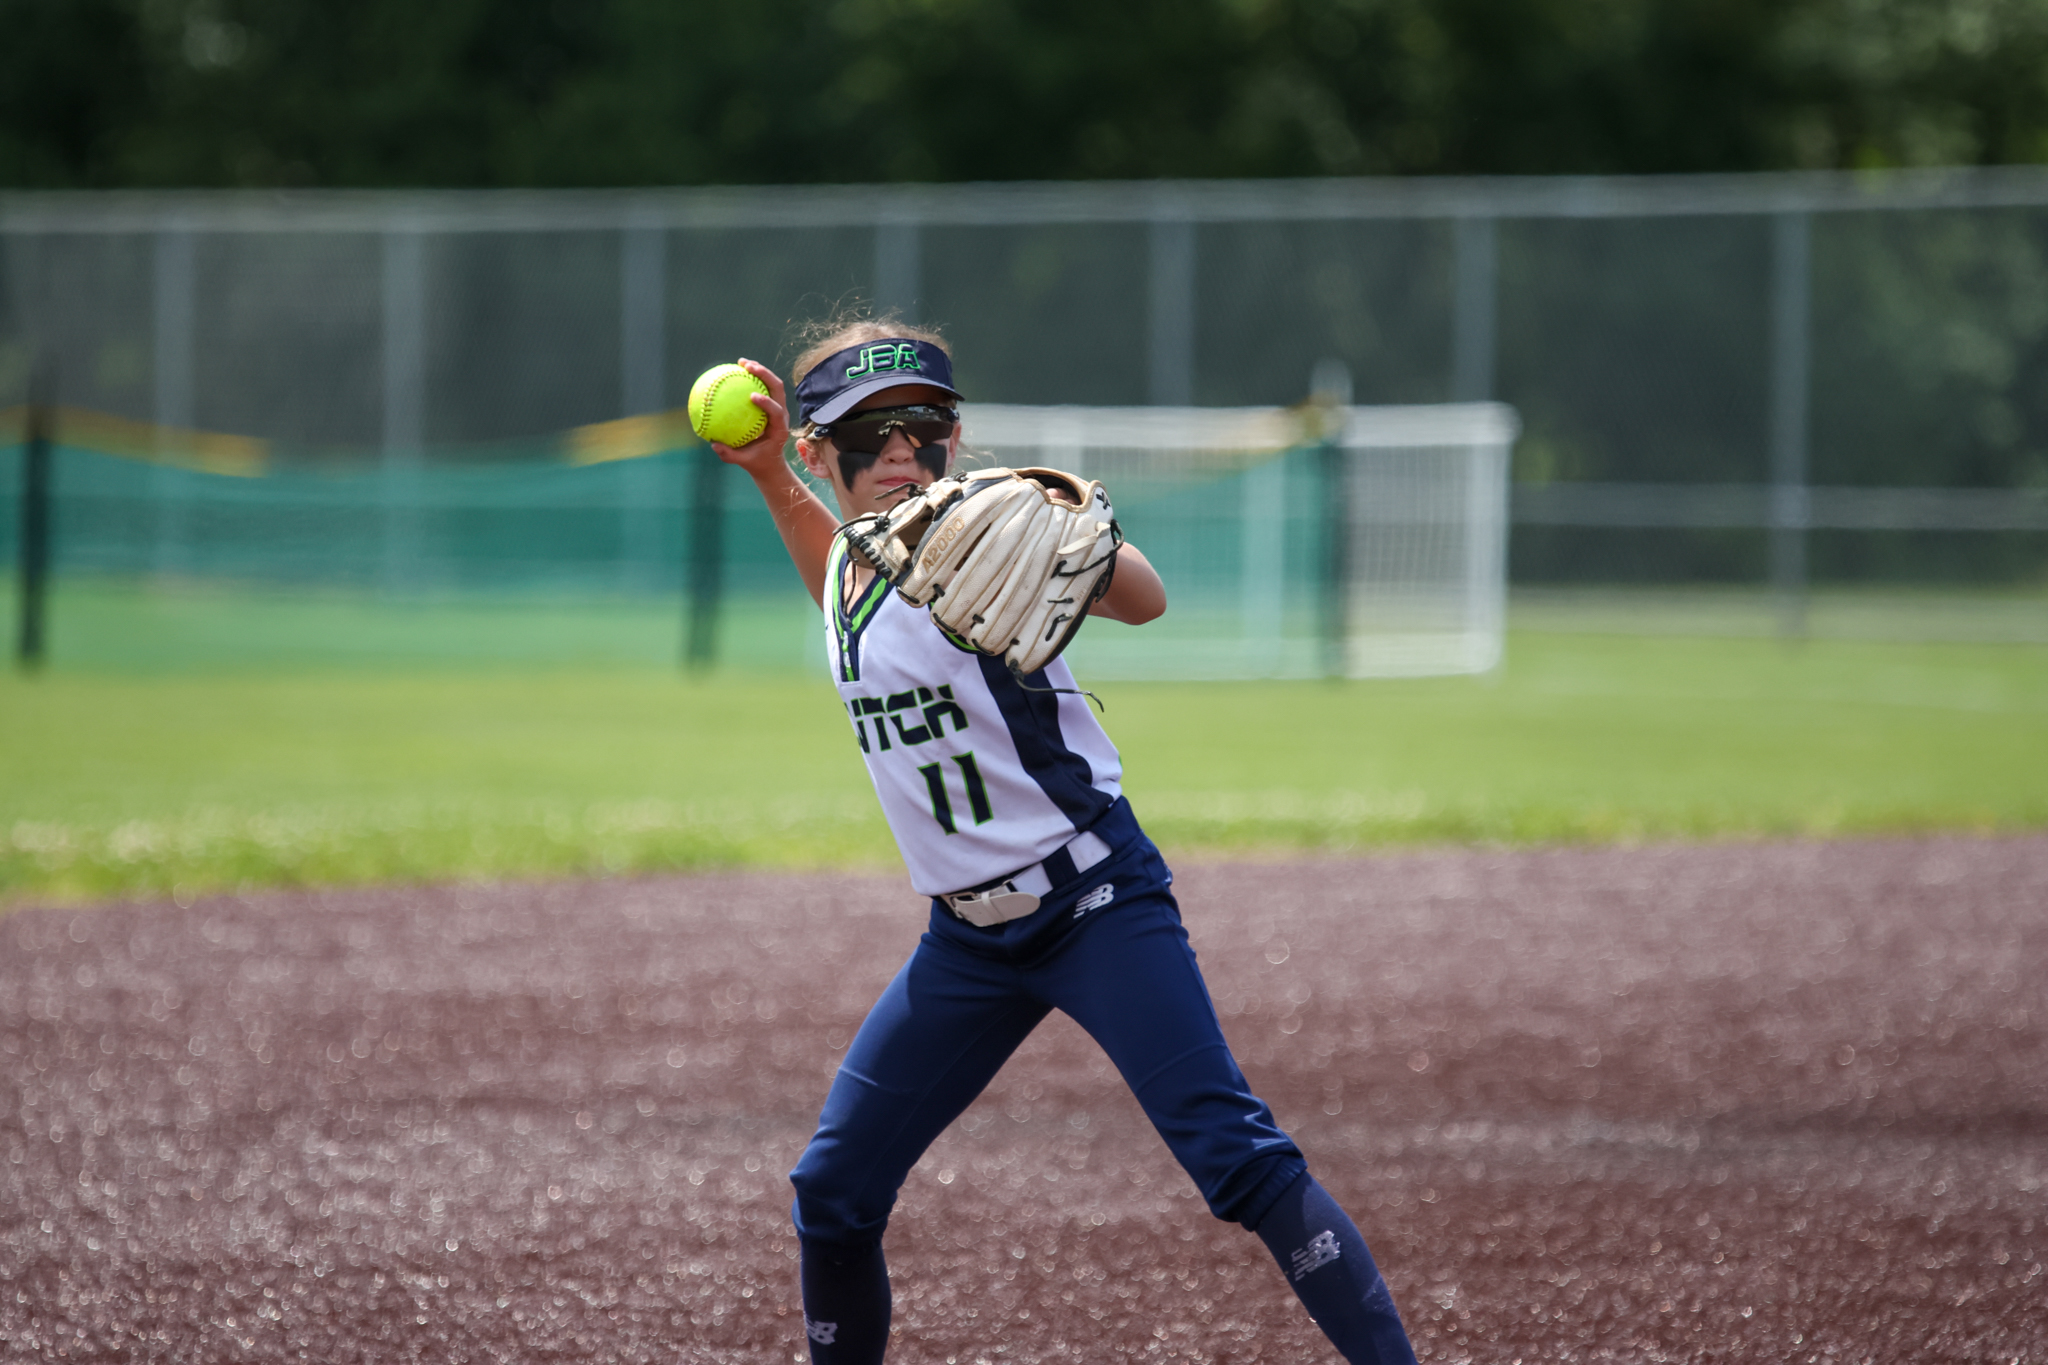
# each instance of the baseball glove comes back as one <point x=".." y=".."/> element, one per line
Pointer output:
<point x="1005" y="567"/>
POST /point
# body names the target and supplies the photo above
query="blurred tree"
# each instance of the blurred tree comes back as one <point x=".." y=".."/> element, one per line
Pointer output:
<point x="564" y="92"/>
<point x="73" y="82"/>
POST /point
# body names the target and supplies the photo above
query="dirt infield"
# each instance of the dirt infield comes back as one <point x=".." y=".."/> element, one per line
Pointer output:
<point x="1782" y="1103"/>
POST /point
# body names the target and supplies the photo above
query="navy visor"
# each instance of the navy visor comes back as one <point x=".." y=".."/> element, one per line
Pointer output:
<point x="845" y="377"/>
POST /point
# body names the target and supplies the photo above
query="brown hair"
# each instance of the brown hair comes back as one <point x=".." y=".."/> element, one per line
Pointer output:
<point x="851" y="325"/>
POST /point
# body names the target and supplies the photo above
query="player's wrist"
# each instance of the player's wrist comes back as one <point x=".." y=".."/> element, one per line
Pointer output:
<point x="770" y="470"/>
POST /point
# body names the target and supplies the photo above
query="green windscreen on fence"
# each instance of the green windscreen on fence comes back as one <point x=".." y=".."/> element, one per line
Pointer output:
<point x="1373" y="548"/>
<point x="513" y="553"/>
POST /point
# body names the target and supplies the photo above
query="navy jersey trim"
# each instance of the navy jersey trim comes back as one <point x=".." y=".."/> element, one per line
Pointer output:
<point x="1033" y="719"/>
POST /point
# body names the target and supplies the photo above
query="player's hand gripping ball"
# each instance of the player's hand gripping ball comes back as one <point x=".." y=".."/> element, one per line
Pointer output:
<point x="722" y="408"/>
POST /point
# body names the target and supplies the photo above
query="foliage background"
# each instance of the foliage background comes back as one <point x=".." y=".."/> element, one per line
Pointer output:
<point x="624" y="92"/>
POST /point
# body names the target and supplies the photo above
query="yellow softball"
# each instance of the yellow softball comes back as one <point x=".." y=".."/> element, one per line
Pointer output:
<point x="721" y="406"/>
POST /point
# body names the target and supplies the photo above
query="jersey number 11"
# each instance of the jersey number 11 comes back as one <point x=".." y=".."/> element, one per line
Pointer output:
<point x="942" y="803"/>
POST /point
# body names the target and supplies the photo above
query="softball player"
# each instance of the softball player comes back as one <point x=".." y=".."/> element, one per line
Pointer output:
<point x="1004" y="796"/>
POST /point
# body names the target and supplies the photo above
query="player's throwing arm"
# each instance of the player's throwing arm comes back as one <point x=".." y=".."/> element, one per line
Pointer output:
<point x="948" y="600"/>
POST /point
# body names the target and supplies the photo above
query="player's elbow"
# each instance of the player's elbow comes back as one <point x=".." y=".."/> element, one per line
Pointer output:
<point x="1150" y="608"/>
<point x="1134" y="601"/>
<point x="1135" y="594"/>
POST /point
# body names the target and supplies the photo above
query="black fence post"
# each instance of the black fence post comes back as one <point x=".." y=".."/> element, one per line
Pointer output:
<point x="703" y="584"/>
<point x="35" y="527"/>
<point x="1336" y="602"/>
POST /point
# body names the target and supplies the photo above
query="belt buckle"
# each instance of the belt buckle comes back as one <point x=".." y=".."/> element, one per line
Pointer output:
<point x="997" y="905"/>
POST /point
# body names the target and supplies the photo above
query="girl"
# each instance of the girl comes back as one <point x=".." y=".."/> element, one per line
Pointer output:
<point x="1004" y="796"/>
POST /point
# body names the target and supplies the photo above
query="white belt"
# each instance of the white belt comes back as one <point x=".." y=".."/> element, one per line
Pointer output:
<point x="1017" y="896"/>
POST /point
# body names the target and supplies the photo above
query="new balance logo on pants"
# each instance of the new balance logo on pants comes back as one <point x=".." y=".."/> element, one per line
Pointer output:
<point x="821" y="1332"/>
<point x="1096" y="899"/>
<point x="1321" y="1250"/>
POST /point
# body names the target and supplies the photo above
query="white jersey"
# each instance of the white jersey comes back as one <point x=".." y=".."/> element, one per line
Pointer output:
<point x="979" y="776"/>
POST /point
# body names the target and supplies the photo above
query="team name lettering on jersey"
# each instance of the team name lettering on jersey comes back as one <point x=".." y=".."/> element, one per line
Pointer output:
<point x="899" y="355"/>
<point x="895" y="709"/>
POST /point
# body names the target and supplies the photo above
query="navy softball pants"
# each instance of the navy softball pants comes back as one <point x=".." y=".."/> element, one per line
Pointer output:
<point x="1118" y="962"/>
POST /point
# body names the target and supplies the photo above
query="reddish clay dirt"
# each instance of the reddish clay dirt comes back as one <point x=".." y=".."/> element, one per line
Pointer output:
<point x="1780" y="1103"/>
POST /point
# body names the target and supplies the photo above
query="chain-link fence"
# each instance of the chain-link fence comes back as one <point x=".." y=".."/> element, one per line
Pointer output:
<point x="1765" y="381"/>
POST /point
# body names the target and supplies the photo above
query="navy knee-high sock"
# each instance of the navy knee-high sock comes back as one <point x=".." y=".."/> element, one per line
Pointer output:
<point x="1324" y="1258"/>
<point x="846" y="1303"/>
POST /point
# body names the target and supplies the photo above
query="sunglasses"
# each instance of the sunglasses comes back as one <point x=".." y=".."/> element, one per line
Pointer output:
<point x="860" y="436"/>
<point x="865" y="433"/>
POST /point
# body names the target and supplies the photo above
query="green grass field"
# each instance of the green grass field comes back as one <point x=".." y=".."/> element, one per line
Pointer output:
<point x="128" y="783"/>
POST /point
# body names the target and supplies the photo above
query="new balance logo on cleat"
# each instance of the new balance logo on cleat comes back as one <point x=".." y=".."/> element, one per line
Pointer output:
<point x="1096" y="899"/>
<point x="1320" y="1251"/>
<point x="821" y="1332"/>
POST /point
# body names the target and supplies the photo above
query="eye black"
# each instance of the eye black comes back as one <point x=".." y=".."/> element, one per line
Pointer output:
<point x="931" y="455"/>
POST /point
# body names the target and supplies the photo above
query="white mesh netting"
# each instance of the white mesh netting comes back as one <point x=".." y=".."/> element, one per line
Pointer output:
<point x="1294" y="542"/>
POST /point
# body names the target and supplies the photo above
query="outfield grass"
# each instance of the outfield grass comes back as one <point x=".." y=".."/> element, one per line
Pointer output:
<point x="114" y="784"/>
<point x="125" y="626"/>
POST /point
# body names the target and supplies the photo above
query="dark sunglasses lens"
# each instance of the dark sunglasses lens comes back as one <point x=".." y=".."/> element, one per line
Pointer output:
<point x="861" y="438"/>
<point x="868" y="433"/>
